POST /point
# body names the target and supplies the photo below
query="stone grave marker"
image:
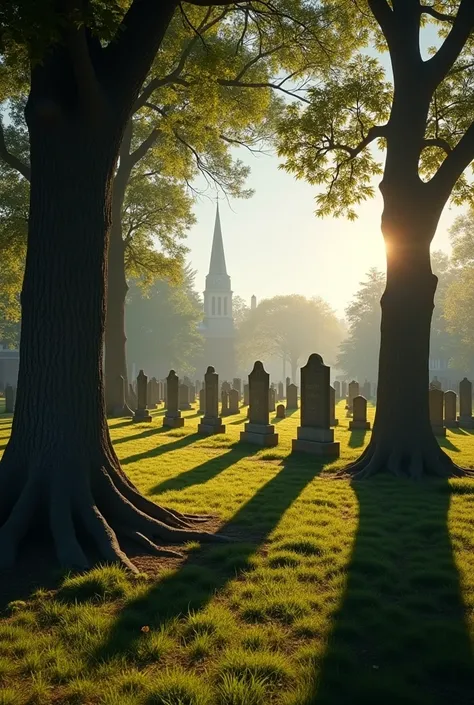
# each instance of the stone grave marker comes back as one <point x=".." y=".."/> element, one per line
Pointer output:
<point x="211" y="422"/>
<point x="226" y="387"/>
<point x="141" y="412"/>
<point x="237" y="384"/>
<point x="172" y="417"/>
<point x="343" y="390"/>
<point x="280" y="391"/>
<point x="280" y="411"/>
<point x="436" y="401"/>
<point x="337" y="389"/>
<point x="271" y="399"/>
<point x="353" y="392"/>
<point x="246" y="395"/>
<point x="183" y="397"/>
<point x="359" y="416"/>
<point x="465" y="417"/>
<point x="224" y="403"/>
<point x="366" y="390"/>
<point x="234" y="401"/>
<point x="332" y="407"/>
<point x="258" y="430"/>
<point x="292" y="397"/>
<point x="315" y="435"/>
<point x="450" y="405"/>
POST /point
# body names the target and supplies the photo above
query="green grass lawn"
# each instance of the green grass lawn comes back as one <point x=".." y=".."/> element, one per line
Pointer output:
<point x="335" y="593"/>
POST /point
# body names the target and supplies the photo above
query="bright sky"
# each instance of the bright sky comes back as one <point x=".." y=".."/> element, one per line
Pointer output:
<point x="274" y="243"/>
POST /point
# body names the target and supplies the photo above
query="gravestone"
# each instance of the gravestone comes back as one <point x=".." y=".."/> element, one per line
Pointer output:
<point x="172" y="417"/>
<point x="332" y="407"/>
<point x="359" y="415"/>
<point x="183" y="398"/>
<point x="436" y="400"/>
<point x="435" y="383"/>
<point x="337" y="389"/>
<point x="343" y="390"/>
<point x="280" y="411"/>
<point x="271" y="399"/>
<point x="141" y="412"/>
<point x="353" y="392"/>
<point x="465" y="404"/>
<point x="234" y="401"/>
<point x="132" y="396"/>
<point x="9" y="399"/>
<point x="224" y="403"/>
<point x="226" y="387"/>
<point x="258" y="430"/>
<point x="152" y="393"/>
<point x="160" y="392"/>
<point x="315" y="435"/>
<point x="211" y="422"/>
<point x="192" y="394"/>
<point x="237" y="384"/>
<point x="280" y="391"/>
<point x="450" y="404"/>
<point x="202" y="401"/>
<point x="292" y="396"/>
<point x="366" y="391"/>
<point x="246" y="395"/>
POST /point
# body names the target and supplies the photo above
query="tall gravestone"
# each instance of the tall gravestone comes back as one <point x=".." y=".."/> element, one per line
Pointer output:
<point x="224" y="403"/>
<point x="353" y="392"/>
<point x="359" y="414"/>
<point x="258" y="430"/>
<point x="172" y="417"/>
<point x="226" y="387"/>
<point x="246" y="395"/>
<point x="271" y="399"/>
<point x="292" y="397"/>
<point x="234" y="401"/>
<point x="237" y="384"/>
<point x="211" y="422"/>
<point x="280" y="391"/>
<point x="366" y="391"/>
<point x="450" y="407"/>
<point x="465" y="417"/>
<point x="183" y="398"/>
<point x="141" y="412"/>
<point x="9" y="399"/>
<point x="436" y="402"/>
<point x="315" y="435"/>
<point x="337" y="389"/>
<point x="333" y="421"/>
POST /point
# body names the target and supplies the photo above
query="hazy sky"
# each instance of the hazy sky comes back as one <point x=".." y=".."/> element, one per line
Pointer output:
<point x="274" y="243"/>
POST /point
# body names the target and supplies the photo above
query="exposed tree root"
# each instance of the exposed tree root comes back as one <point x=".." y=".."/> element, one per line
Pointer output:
<point x="413" y="460"/>
<point x="102" y="505"/>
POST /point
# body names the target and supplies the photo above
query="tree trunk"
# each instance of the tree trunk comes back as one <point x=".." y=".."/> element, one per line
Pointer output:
<point x="402" y="440"/>
<point x="115" y="338"/>
<point x="59" y="468"/>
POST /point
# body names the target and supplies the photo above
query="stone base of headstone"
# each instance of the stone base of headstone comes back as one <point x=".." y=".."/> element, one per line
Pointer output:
<point x="186" y="407"/>
<point x="141" y="416"/>
<point x="259" y="434"/>
<point x="439" y="431"/>
<point x="359" y="426"/>
<point x="334" y="422"/>
<point x="316" y="441"/>
<point x="466" y="421"/>
<point x="211" y="425"/>
<point x="451" y="424"/>
<point x="173" y="421"/>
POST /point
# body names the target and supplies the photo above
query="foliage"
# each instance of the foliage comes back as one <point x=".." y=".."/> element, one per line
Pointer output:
<point x="162" y="326"/>
<point x="273" y="618"/>
<point x="240" y="310"/>
<point x="289" y="327"/>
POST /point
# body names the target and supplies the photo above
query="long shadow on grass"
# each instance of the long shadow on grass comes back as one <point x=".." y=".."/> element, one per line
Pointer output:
<point x="400" y="635"/>
<point x="206" y="471"/>
<point x="357" y="438"/>
<point x="208" y="570"/>
<point x="182" y="442"/>
<point x="144" y="434"/>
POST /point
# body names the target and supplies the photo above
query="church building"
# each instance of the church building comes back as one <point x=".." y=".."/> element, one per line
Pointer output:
<point x="218" y="324"/>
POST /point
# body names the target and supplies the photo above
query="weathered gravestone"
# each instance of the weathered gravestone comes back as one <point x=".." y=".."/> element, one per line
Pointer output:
<point x="9" y="399"/>
<point x="237" y="384"/>
<point x="246" y="395"/>
<point x="202" y="401"/>
<point x="211" y="422"/>
<point x="366" y="390"/>
<point x="465" y="404"/>
<point x="353" y="392"/>
<point x="183" y="398"/>
<point x="435" y="383"/>
<point x="337" y="389"/>
<point x="258" y="430"/>
<point x="280" y="411"/>
<point x="315" y="435"/>
<point x="172" y="417"/>
<point x="141" y="412"/>
<point x="292" y="396"/>
<point x="280" y="391"/>
<point x="224" y="403"/>
<point x="192" y="394"/>
<point x="226" y="387"/>
<point x="359" y="415"/>
<point x="271" y="399"/>
<point x="450" y="404"/>
<point x="152" y="393"/>
<point x="234" y="401"/>
<point x="332" y="407"/>
<point x="436" y="401"/>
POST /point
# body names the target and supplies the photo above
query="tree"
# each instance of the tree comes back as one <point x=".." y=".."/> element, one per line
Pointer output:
<point x="89" y="61"/>
<point x="289" y="327"/>
<point x="358" y="354"/>
<point x="162" y="326"/>
<point x="425" y="123"/>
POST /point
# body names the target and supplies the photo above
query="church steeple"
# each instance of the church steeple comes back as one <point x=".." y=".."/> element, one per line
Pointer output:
<point x="217" y="265"/>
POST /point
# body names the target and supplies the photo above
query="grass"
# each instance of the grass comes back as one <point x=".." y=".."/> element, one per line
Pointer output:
<point x="336" y="593"/>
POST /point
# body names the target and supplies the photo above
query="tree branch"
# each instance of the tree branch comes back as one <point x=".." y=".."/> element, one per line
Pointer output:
<point x="441" y="16"/>
<point x="438" y="142"/>
<point x="454" y="165"/>
<point x="143" y="148"/>
<point x="385" y="19"/>
<point x="11" y="160"/>
<point x="441" y="63"/>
